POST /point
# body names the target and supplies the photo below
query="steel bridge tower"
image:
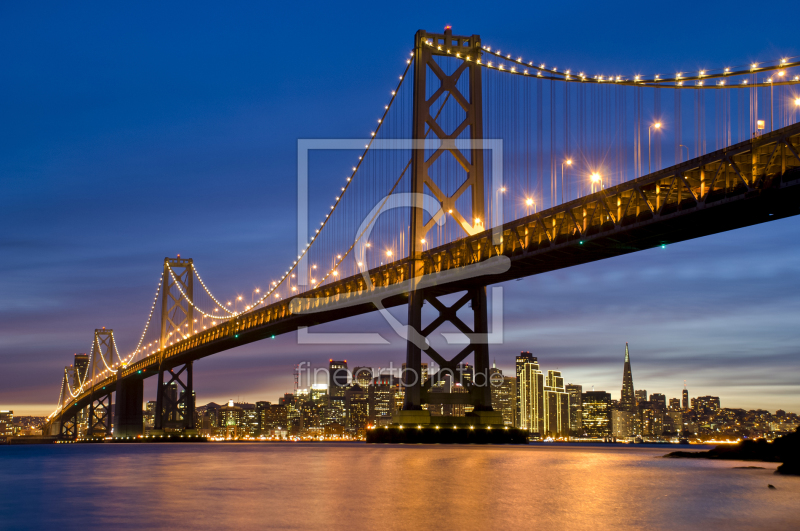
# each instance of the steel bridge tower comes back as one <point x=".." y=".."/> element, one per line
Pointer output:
<point x="468" y="134"/>
<point x="175" y="395"/>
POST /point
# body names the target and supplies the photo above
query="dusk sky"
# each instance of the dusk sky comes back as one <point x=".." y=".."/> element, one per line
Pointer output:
<point x="131" y="134"/>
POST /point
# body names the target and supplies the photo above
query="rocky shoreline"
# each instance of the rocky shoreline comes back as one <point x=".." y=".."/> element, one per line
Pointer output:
<point x="785" y="449"/>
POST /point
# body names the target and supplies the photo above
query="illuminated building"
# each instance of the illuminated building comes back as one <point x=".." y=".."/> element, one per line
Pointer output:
<point x="362" y="376"/>
<point x="674" y="403"/>
<point x="465" y="374"/>
<point x="651" y="418"/>
<point x="705" y="404"/>
<point x="381" y="400"/>
<point x="673" y="421"/>
<point x="318" y="394"/>
<point x="357" y="410"/>
<point x="338" y="378"/>
<point x="596" y="414"/>
<point x="149" y="416"/>
<point x="250" y="420"/>
<point x="6" y="424"/>
<point x="575" y="408"/>
<point x="556" y="406"/>
<point x="641" y="396"/>
<point x="81" y="364"/>
<point x="274" y="417"/>
<point x="530" y="393"/>
<point x="504" y="395"/>
<point x="659" y="400"/>
<point x="627" y="399"/>
<point x="685" y="397"/>
<point x="230" y="420"/>
<point x="622" y="423"/>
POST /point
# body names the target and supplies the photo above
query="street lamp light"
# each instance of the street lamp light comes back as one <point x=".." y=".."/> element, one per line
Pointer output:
<point x="657" y="125"/>
<point x="568" y="163"/>
<point x="596" y="179"/>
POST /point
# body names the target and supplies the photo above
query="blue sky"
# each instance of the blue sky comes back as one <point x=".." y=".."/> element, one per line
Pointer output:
<point x="133" y="133"/>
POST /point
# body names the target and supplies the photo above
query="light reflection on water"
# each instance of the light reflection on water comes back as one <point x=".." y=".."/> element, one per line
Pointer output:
<point x="258" y="485"/>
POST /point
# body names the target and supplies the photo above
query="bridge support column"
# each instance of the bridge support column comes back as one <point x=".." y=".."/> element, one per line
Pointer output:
<point x="175" y="401"/>
<point x="99" y="417"/>
<point x="68" y="429"/>
<point x="429" y="51"/>
<point x="128" y="417"/>
<point x="478" y="389"/>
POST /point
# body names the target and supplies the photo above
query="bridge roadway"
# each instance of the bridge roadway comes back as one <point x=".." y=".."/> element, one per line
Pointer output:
<point x="745" y="184"/>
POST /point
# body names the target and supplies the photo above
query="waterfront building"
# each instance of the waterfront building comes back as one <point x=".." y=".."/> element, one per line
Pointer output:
<point x="622" y="424"/>
<point x="627" y="399"/>
<point x="6" y="424"/>
<point x="596" y="414"/>
<point x="575" y="408"/>
<point x="381" y="400"/>
<point x="530" y="393"/>
<point x="230" y="420"/>
<point x="250" y="420"/>
<point x="556" y="406"/>
<point x="274" y="417"/>
<point x="356" y="410"/>
<point x="504" y="395"/>
<point x="338" y="379"/>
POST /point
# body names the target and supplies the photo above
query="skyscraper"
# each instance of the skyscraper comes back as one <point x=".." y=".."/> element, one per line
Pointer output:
<point x="357" y="409"/>
<point x="81" y="365"/>
<point x="530" y="394"/>
<point x="659" y="400"/>
<point x="597" y="414"/>
<point x="337" y="383"/>
<point x="575" y="408"/>
<point x="556" y="406"/>
<point x="627" y="399"/>
<point x="685" y="397"/>
<point x="640" y="395"/>
<point x="504" y="395"/>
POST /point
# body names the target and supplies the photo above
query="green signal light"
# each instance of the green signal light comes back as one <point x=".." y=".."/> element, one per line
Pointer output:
<point x="581" y="242"/>
<point x="663" y="245"/>
<point x="273" y="337"/>
<point x="140" y="372"/>
<point x="237" y="335"/>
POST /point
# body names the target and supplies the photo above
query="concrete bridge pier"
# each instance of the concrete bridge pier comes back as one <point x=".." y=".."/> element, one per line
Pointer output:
<point x="128" y="419"/>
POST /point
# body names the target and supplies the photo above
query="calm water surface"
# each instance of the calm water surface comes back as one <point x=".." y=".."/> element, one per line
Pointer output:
<point x="258" y="485"/>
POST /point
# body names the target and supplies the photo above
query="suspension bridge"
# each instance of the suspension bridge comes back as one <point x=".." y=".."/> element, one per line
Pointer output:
<point x="484" y="166"/>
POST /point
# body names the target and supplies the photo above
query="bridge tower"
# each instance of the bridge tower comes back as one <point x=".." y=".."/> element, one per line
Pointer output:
<point x="175" y="395"/>
<point x="464" y="144"/>
<point x="67" y="425"/>
<point x="99" y="423"/>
